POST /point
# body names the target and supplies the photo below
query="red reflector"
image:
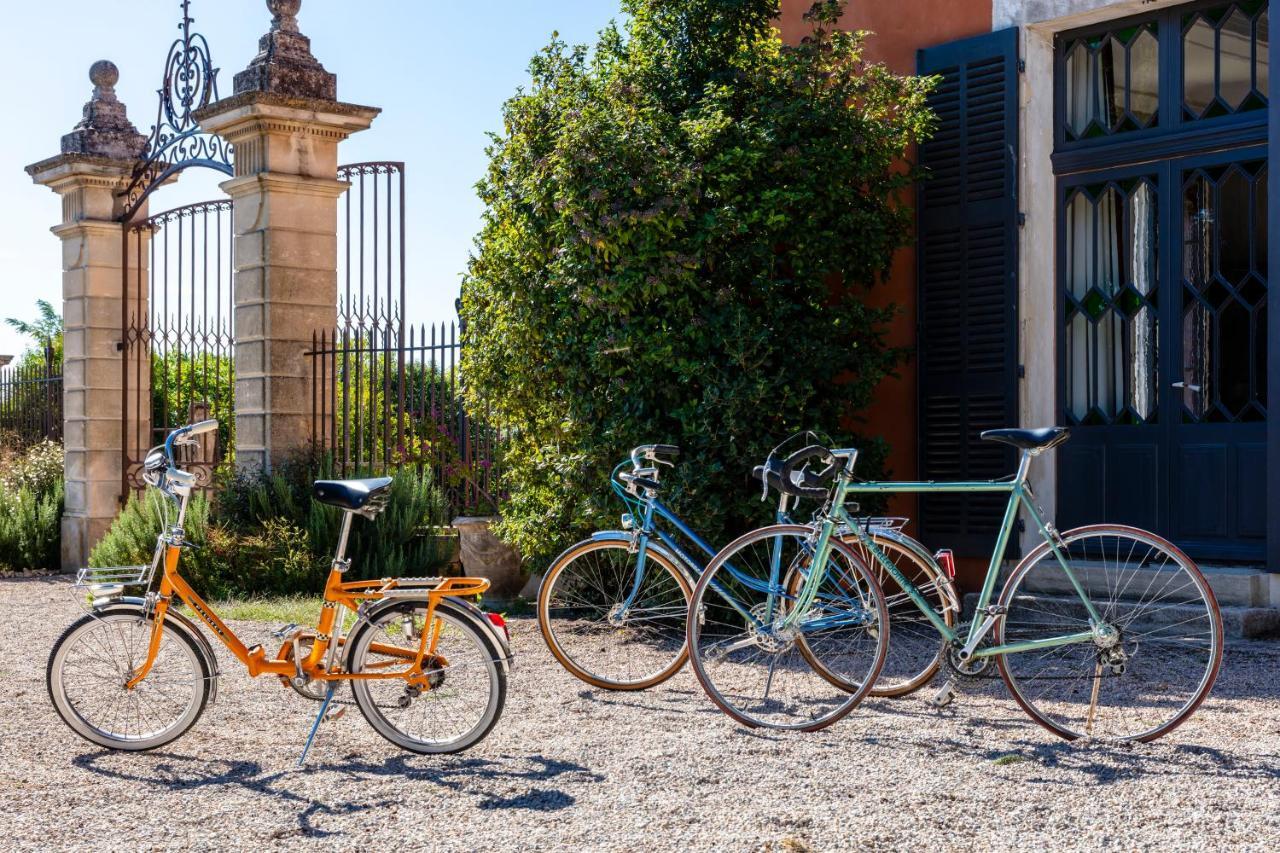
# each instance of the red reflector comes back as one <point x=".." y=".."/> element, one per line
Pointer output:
<point x="947" y="560"/>
<point x="498" y="622"/>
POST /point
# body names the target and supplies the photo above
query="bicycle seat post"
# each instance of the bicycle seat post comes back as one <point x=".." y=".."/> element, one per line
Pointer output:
<point x="340" y="563"/>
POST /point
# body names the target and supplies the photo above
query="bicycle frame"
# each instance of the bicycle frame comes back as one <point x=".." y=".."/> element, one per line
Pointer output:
<point x="647" y="530"/>
<point x="1018" y="491"/>
<point x="654" y="508"/>
<point x="337" y="593"/>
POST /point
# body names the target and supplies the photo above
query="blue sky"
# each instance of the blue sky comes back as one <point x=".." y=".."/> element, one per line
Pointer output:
<point x="440" y="70"/>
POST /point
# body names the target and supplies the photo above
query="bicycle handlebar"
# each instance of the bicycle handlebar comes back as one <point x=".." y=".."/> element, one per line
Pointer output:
<point x="181" y="434"/>
<point x="797" y="481"/>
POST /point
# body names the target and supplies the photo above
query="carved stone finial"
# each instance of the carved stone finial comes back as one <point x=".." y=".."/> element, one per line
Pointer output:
<point x="284" y="64"/>
<point x="104" y="75"/>
<point x="104" y="129"/>
<point x="284" y="15"/>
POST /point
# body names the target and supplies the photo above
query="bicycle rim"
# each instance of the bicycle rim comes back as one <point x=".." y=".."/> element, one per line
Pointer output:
<point x="90" y="664"/>
<point x="580" y="614"/>
<point x="1142" y="683"/>
<point x="753" y="668"/>
<point x="915" y="650"/>
<point x="467" y="685"/>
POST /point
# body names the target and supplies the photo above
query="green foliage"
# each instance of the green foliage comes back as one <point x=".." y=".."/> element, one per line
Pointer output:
<point x="131" y="539"/>
<point x="31" y="498"/>
<point x="46" y="331"/>
<point x="30" y="527"/>
<point x="680" y="229"/>
<point x="262" y="534"/>
<point x="180" y="379"/>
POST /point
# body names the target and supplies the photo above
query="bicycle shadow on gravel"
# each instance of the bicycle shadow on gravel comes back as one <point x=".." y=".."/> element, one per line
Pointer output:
<point x="458" y="776"/>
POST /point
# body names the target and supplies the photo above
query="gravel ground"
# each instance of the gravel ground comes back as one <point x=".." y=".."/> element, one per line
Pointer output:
<point x="572" y="767"/>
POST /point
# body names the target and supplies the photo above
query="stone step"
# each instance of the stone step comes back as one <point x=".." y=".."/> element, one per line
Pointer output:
<point x="1249" y="623"/>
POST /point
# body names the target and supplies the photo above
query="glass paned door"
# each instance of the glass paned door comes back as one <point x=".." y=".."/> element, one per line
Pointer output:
<point x="1110" y="348"/>
<point x="1219" y="366"/>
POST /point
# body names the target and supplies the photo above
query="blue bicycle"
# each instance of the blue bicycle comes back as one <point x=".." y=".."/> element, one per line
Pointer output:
<point x="613" y="607"/>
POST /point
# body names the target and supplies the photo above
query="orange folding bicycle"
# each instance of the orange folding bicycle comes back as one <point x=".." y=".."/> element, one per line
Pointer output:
<point x="428" y="669"/>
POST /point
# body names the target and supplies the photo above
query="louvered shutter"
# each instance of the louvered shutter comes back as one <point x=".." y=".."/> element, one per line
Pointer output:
<point x="968" y="285"/>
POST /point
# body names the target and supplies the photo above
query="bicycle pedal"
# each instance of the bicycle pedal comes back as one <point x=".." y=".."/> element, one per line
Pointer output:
<point x="281" y="633"/>
<point x="944" y="697"/>
<point x="334" y="713"/>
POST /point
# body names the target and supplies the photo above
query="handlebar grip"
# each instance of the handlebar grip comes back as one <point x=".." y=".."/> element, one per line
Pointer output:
<point x="799" y="459"/>
<point x="666" y="449"/>
<point x="202" y="427"/>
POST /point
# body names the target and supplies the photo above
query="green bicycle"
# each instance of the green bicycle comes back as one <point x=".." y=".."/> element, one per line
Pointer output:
<point x="1126" y="646"/>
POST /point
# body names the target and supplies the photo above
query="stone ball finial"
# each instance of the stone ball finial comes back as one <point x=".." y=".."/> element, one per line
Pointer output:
<point x="284" y="14"/>
<point x="104" y="75"/>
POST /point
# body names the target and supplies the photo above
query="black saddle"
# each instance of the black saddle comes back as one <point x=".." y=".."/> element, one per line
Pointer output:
<point x="1038" y="440"/>
<point x="367" y="497"/>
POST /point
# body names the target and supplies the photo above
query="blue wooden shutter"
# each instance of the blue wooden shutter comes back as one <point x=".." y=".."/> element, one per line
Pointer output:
<point x="968" y="284"/>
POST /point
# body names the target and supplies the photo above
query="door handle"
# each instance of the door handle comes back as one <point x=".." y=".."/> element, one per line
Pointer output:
<point x="1187" y="387"/>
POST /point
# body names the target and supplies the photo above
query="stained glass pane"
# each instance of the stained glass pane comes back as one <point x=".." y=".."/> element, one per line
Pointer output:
<point x="1144" y="76"/>
<point x="1235" y="58"/>
<point x="1262" y="63"/>
<point x="1197" y="66"/>
<point x="1112" y="339"/>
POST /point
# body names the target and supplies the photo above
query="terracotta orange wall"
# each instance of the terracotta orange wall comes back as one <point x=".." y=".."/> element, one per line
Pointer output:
<point x="900" y="29"/>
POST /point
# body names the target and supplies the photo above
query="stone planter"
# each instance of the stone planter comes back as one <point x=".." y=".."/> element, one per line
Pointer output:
<point x="486" y="556"/>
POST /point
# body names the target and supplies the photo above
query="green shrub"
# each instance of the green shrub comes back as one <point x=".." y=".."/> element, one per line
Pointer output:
<point x="38" y="468"/>
<point x="131" y="540"/>
<point x="680" y="229"/>
<point x="31" y="526"/>
<point x="261" y="534"/>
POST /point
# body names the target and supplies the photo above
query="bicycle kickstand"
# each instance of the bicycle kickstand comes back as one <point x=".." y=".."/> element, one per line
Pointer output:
<point x="324" y="706"/>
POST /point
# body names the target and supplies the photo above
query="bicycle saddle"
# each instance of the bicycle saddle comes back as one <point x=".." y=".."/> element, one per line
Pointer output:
<point x="367" y="497"/>
<point x="1029" y="439"/>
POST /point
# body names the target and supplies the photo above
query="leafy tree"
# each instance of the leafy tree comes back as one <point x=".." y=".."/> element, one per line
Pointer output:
<point x="680" y="229"/>
<point x="46" y="331"/>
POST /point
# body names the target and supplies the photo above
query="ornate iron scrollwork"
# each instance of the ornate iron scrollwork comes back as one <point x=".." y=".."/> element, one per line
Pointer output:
<point x="176" y="141"/>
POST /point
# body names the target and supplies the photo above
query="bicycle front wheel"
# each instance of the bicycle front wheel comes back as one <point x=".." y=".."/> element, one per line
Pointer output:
<point x="1153" y="658"/>
<point x="458" y="698"/>
<point x="753" y="664"/>
<point x="98" y="654"/>
<point x="611" y="624"/>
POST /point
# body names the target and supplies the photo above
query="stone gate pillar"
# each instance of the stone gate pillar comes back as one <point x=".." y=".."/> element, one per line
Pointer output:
<point x="97" y="160"/>
<point x="285" y="123"/>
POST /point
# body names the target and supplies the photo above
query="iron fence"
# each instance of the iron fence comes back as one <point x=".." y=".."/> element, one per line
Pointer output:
<point x="31" y="402"/>
<point x="385" y="397"/>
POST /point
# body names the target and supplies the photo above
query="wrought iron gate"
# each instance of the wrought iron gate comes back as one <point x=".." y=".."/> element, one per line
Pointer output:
<point x="179" y="333"/>
<point x="176" y="303"/>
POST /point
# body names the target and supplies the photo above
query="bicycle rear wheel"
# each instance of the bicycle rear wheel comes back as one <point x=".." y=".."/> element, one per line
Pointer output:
<point x="1152" y="662"/>
<point x="586" y="626"/>
<point x="915" y="652"/>
<point x="756" y="669"/>
<point x="462" y="692"/>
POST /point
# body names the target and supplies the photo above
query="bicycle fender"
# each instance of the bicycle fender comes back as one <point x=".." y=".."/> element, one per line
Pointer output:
<point x="917" y="548"/>
<point x="477" y="616"/>
<point x="654" y="545"/>
<point x="180" y="622"/>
